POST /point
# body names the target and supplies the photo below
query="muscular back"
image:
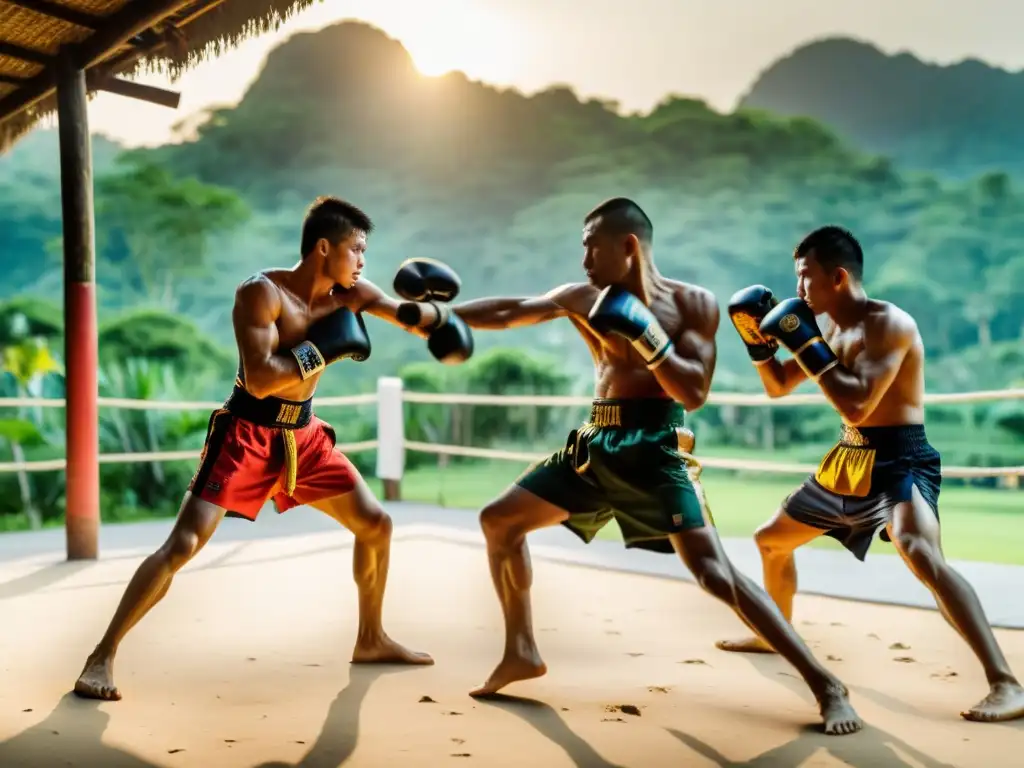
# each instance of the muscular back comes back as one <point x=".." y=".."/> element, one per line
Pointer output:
<point x="883" y="328"/>
<point x="683" y="310"/>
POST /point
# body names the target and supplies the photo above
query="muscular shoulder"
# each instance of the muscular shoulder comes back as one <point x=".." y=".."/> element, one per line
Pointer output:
<point x="261" y="287"/>
<point x="698" y="307"/>
<point x="576" y="298"/>
<point x="887" y="325"/>
<point x="360" y="296"/>
<point x="259" y="294"/>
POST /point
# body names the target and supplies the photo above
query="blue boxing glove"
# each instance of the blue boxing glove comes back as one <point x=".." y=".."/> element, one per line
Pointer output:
<point x="792" y="323"/>
<point x="619" y="312"/>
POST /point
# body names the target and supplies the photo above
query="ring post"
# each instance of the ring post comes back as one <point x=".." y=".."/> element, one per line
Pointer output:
<point x="390" y="436"/>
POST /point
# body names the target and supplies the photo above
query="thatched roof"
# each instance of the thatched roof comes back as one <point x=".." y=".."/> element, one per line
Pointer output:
<point x="108" y="37"/>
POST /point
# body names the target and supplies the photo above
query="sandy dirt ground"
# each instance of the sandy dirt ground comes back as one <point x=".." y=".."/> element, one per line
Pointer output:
<point x="245" y="663"/>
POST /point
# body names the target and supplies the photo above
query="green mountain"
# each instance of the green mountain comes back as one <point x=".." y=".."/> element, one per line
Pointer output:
<point x="958" y="120"/>
<point x="496" y="184"/>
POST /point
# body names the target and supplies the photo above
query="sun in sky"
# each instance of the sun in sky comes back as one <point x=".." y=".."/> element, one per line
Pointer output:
<point x="455" y="35"/>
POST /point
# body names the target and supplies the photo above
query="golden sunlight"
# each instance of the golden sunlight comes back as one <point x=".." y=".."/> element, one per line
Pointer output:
<point x="476" y="41"/>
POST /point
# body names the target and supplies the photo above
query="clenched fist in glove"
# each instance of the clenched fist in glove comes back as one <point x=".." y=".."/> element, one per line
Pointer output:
<point x="747" y="308"/>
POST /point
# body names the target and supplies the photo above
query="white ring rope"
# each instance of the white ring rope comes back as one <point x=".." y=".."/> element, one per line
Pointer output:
<point x="715" y="398"/>
<point x="51" y="465"/>
<point x="167" y="405"/>
<point x="774" y="467"/>
<point x="721" y="398"/>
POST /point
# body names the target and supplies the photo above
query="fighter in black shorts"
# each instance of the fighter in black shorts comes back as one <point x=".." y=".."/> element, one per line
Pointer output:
<point x="882" y="475"/>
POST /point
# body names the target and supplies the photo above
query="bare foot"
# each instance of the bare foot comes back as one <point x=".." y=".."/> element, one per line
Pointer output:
<point x="511" y="669"/>
<point x="837" y="712"/>
<point x="97" y="679"/>
<point x="749" y="645"/>
<point x="384" y="650"/>
<point x="1004" y="702"/>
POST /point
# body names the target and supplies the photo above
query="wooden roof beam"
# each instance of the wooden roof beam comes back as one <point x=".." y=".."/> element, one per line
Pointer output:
<point x="59" y="12"/>
<point x="162" y="97"/>
<point x="118" y="29"/>
<point x="24" y="54"/>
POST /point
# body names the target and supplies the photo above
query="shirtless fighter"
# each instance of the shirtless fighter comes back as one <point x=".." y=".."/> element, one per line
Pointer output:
<point x="653" y="344"/>
<point x="882" y="475"/>
<point x="266" y="443"/>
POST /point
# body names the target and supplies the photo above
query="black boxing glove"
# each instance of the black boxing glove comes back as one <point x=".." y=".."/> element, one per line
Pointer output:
<point x="792" y="323"/>
<point x="450" y="340"/>
<point x="338" y="336"/>
<point x="426" y="280"/>
<point x="747" y="308"/>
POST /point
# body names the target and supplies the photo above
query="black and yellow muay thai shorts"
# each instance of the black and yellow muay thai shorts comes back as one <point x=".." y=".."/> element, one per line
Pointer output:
<point x="867" y="473"/>
<point x="630" y="461"/>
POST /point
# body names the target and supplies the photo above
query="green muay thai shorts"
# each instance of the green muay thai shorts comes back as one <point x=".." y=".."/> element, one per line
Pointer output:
<point x="631" y="461"/>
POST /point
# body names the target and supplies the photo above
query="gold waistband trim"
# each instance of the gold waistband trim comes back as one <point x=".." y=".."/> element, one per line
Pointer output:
<point x="605" y="415"/>
<point x="853" y="437"/>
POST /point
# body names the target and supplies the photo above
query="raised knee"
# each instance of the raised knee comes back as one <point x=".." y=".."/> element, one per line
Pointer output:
<point x="923" y="557"/>
<point x="770" y="543"/>
<point x="496" y="522"/>
<point x="716" y="578"/>
<point x="180" y="548"/>
<point x="377" y="525"/>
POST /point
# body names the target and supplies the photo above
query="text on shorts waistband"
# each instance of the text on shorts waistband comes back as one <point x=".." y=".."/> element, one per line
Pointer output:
<point x="902" y="439"/>
<point x="636" y="413"/>
<point x="269" y="411"/>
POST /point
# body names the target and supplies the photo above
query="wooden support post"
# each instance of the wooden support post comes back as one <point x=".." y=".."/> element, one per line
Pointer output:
<point x="82" y="514"/>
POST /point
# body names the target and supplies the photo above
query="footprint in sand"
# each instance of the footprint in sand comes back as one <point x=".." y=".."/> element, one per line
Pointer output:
<point x="830" y="657"/>
<point x="612" y="632"/>
<point x="426" y="700"/>
<point x="693" y="661"/>
<point x="899" y="647"/>
<point x="626" y="709"/>
<point x="657" y="689"/>
<point x="905" y="659"/>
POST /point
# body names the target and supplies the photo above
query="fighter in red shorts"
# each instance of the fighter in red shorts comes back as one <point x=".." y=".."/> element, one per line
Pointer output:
<point x="265" y="443"/>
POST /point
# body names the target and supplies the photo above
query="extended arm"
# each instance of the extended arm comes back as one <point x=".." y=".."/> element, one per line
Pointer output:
<point x="688" y="369"/>
<point x="500" y="313"/>
<point x="370" y="298"/>
<point x="857" y="390"/>
<point x="257" y="308"/>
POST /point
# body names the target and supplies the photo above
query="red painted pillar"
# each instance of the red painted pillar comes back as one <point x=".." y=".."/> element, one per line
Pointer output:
<point x="82" y="517"/>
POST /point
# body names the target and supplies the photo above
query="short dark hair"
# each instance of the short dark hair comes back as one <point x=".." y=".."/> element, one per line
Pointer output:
<point x="621" y="215"/>
<point x="333" y="219"/>
<point x="833" y="247"/>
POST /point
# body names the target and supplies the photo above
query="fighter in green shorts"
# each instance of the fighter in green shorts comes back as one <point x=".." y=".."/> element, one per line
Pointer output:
<point x="631" y="461"/>
<point x="653" y="344"/>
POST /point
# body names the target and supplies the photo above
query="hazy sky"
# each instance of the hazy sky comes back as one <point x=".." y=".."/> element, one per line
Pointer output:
<point x="635" y="52"/>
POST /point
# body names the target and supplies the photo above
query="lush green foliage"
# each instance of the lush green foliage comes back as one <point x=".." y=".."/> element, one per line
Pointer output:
<point x="496" y="184"/>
